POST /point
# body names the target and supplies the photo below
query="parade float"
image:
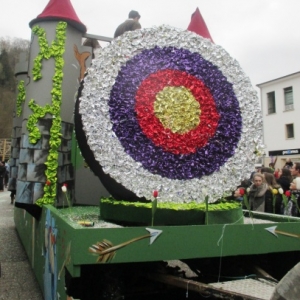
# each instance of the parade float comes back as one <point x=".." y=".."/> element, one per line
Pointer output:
<point x="124" y="165"/>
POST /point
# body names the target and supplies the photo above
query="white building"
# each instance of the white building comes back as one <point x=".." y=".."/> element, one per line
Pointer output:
<point x="280" y="103"/>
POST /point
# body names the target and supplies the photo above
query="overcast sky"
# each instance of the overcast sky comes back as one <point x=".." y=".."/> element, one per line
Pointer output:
<point x="262" y="35"/>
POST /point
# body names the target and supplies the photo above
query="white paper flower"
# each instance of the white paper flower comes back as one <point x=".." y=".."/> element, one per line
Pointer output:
<point x="64" y="188"/>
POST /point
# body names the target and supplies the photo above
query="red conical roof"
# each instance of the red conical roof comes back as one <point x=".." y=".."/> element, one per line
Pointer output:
<point x="60" y="10"/>
<point x="198" y="25"/>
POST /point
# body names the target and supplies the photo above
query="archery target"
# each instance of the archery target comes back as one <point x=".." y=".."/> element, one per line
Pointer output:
<point x="165" y="109"/>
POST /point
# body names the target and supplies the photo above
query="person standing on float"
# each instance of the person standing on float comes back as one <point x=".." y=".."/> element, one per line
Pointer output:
<point x="129" y="25"/>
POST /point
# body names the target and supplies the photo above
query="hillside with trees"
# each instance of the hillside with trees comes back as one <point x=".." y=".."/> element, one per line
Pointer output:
<point x="10" y="49"/>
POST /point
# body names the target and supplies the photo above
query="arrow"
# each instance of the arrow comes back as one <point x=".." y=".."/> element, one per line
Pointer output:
<point x="154" y="233"/>
<point x="67" y="259"/>
<point x="275" y="232"/>
<point x="106" y="250"/>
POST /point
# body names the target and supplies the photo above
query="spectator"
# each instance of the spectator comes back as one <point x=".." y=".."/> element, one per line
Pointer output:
<point x="288" y="164"/>
<point x="7" y="167"/>
<point x="270" y="206"/>
<point x="292" y="208"/>
<point x="238" y="194"/>
<point x="2" y="175"/>
<point x="285" y="179"/>
<point x="266" y="170"/>
<point x="12" y="188"/>
<point x="257" y="193"/>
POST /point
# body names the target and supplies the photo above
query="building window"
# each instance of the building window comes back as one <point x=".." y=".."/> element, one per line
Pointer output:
<point x="271" y="103"/>
<point x="288" y="98"/>
<point x="289" y="131"/>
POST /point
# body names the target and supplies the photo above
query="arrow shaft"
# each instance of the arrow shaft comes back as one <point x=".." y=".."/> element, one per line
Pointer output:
<point x="287" y="234"/>
<point x="108" y="250"/>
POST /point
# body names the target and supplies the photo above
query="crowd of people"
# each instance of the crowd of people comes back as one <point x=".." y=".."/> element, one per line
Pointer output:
<point x="272" y="191"/>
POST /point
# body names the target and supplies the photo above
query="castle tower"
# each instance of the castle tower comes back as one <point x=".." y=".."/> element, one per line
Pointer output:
<point x="56" y="63"/>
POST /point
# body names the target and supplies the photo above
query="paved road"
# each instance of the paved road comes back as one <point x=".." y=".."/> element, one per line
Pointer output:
<point x="17" y="280"/>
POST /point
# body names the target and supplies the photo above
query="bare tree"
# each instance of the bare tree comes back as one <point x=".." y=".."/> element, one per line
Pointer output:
<point x="7" y="99"/>
<point x="14" y="46"/>
<point x="10" y="49"/>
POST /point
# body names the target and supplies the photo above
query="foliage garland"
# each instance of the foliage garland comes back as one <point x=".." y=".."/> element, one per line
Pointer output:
<point x="222" y="205"/>
<point x="56" y="51"/>
<point x="21" y="97"/>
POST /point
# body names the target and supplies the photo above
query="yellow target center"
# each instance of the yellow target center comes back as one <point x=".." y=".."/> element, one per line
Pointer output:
<point x="177" y="109"/>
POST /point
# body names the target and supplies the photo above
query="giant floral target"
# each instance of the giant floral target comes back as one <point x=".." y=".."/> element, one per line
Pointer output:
<point x="165" y="109"/>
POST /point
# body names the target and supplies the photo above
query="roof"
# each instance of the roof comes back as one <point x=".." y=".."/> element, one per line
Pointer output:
<point x="60" y="10"/>
<point x="286" y="76"/>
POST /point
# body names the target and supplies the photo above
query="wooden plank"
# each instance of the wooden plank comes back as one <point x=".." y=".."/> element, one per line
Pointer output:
<point x="199" y="287"/>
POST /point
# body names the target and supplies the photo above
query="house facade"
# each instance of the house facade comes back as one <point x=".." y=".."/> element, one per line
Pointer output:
<point x="280" y="104"/>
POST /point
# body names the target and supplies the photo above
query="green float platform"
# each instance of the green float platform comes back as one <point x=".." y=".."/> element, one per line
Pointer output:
<point x="58" y="244"/>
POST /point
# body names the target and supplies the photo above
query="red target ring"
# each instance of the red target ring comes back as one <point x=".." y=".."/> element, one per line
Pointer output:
<point x="153" y="128"/>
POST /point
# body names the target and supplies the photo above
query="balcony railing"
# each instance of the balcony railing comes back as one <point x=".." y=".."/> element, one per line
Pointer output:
<point x="289" y="107"/>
